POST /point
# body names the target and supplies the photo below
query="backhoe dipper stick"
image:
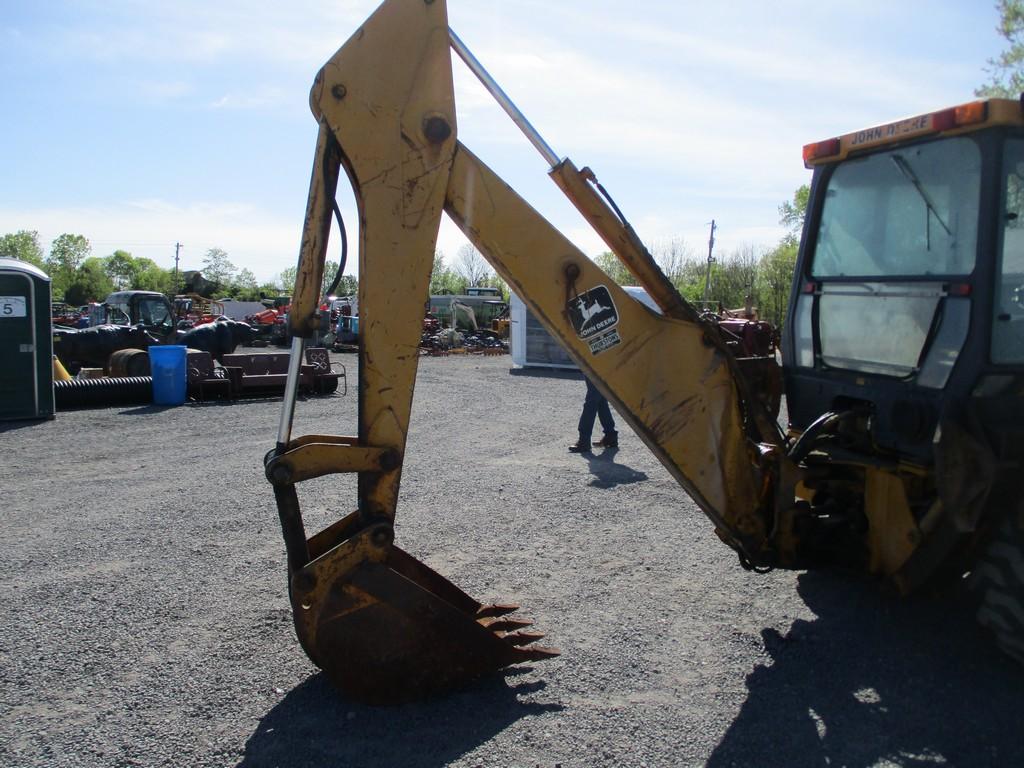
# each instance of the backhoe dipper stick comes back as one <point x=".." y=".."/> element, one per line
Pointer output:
<point x="383" y="626"/>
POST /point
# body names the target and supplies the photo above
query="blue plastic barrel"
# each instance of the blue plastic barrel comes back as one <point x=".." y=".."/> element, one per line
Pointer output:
<point x="169" y="377"/>
<point x="355" y="325"/>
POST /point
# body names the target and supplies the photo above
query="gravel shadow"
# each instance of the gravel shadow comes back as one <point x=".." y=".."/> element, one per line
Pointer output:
<point x="547" y="373"/>
<point x="11" y="426"/>
<point x="608" y="473"/>
<point x="315" y="725"/>
<point x="145" y="410"/>
<point x="877" y="680"/>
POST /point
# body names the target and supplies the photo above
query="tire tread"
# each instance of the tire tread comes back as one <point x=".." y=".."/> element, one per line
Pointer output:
<point x="998" y="581"/>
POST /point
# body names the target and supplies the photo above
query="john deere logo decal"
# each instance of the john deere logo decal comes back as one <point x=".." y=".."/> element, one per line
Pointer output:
<point x="593" y="316"/>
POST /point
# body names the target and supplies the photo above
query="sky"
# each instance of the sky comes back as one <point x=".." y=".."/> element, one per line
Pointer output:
<point x="142" y="124"/>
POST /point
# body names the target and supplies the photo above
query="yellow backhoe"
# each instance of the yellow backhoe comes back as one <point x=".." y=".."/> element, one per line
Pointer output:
<point x="903" y="361"/>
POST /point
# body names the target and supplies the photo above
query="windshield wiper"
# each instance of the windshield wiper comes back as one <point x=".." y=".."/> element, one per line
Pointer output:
<point x="908" y="172"/>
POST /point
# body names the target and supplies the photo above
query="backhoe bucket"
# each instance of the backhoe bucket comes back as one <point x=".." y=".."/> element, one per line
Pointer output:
<point x="387" y="629"/>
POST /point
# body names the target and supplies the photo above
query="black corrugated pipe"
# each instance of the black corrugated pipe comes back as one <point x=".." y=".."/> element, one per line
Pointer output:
<point x="97" y="393"/>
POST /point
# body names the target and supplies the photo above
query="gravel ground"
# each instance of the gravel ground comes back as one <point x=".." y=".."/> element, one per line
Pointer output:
<point x="147" y="622"/>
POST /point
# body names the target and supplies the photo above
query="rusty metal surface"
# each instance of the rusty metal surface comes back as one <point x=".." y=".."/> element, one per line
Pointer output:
<point x="386" y="628"/>
<point x="129" y="362"/>
<point x="765" y="377"/>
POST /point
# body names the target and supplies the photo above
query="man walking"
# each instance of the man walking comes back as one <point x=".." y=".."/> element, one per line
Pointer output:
<point x="595" y="405"/>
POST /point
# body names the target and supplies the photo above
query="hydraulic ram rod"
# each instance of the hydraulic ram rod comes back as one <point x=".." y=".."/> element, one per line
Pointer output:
<point x="502" y="98"/>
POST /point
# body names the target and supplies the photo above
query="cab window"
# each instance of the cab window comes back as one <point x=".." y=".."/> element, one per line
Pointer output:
<point x="911" y="211"/>
<point x="894" y="226"/>
<point x="117" y="313"/>
<point x="153" y="312"/>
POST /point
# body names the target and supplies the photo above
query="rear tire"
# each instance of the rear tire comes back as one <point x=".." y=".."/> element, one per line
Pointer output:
<point x="998" y="581"/>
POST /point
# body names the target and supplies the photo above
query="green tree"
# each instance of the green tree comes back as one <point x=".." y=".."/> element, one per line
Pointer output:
<point x="246" y="279"/>
<point x="67" y="252"/>
<point x="24" y="246"/>
<point x="150" y="276"/>
<point x="792" y="214"/>
<point x="268" y="290"/>
<point x="244" y="287"/>
<point x="218" y="267"/>
<point x="734" y="278"/>
<point x="682" y="266"/>
<point x="287" y="279"/>
<point x="89" y="283"/>
<point x="775" y="278"/>
<point x="609" y="263"/>
<point x="776" y="268"/>
<point x="330" y="272"/>
<point x="121" y="269"/>
<point x="443" y="280"/>
<point x="285" y="283"/>
<point x="1006" y="71"/>
<point x="348" y="286"/>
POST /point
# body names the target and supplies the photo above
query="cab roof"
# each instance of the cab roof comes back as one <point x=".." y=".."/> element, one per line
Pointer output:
<point x="963" y="118"/>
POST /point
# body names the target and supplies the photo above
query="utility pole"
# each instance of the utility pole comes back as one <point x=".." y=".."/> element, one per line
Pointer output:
<point x="177" y="249"/>
<point x="711" y="260"/>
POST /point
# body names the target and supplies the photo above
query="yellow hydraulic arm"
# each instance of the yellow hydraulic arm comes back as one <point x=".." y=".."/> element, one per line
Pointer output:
<point x="383" y="625"/>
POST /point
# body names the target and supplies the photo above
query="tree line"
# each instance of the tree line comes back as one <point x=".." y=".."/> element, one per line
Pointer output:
<point x="762" y="278"/>
<point x="78" y="277"/>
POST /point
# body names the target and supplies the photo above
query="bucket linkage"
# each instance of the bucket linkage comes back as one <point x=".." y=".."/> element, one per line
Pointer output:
<point x="385" y="627"/>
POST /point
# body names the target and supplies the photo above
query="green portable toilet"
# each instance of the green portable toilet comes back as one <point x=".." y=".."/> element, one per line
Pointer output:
<point x="26" y="342"/>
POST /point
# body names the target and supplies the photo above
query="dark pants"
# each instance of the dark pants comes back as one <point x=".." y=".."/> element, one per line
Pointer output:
<point x="595" y="405"/>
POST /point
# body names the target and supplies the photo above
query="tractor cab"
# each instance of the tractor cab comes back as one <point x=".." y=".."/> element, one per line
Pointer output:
<point x="909" y="287"/>
<point x="149" y="309"/>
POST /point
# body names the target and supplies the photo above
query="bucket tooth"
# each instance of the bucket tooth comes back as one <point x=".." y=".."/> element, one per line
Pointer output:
<point x="536" y="653"/>
<point x="504" y="625"/>
<point x="496" y="609"/>
<point x="520" y="639"/>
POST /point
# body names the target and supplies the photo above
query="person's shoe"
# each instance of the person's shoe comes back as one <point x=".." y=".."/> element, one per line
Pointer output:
<point x="608" y="441"/>
<point x="581" y="446"/>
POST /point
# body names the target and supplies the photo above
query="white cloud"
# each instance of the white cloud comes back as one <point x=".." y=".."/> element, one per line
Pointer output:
<point x="158" y="92"/>
<point x="301" y="32"/>
<point x="262" y="98"/>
